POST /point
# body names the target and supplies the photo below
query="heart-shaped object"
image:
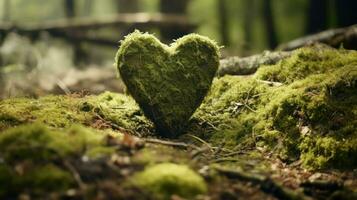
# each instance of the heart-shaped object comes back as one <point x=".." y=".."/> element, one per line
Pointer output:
<point x="168" y="82"/>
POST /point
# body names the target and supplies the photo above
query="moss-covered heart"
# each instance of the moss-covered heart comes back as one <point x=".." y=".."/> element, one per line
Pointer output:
<point x="168" y="82"/>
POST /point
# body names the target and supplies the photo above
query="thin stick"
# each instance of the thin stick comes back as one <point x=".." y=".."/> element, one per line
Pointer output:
<point x="174" y="144"/>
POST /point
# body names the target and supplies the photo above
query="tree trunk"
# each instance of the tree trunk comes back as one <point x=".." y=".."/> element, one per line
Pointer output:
<point x="69" y="8"/>
<point x="317" y="16"/>
<point x="248" y="24"/>
<point x="79" y="53"/>
<point x="269" y="24"/>
<point x="173" y="6"/>
<point x="223" y="22"/>
<point x="346" y="12"/>
<point x="88" y="6"/>
<point x="171" y="32"/>
<point x="127" y="6"/>
<point x="6" y="9"/>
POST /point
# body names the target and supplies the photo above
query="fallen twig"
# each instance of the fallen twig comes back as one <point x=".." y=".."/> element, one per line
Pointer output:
<point x="75" y="174"/>
<point x="170" y="143"/>
<point x="200" y="140"/>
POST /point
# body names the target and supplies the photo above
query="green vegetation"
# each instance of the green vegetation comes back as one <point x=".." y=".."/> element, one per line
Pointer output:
<point x="303" y="108"/>
<point x="121" y="110"/>
<point x="34" y="157"/>
<point x="168" y="82"/>
<point x="163" y="180"/>
<point x="319" y="59"/>
<point x="64" y="111"/>
<point x="307" y="112"/>
<point x="56" y="111"/>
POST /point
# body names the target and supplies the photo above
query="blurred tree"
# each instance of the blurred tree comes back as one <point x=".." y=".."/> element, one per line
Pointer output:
<point x="248" y="23"/>
<point x="223" y="22"/>
<point x="173" y="7"/>
<point x="269" y="24"/>
<point x="127" y="6"/>
<point x="88" y="6"/>
<point x="69" y="8"/>
<point x="5" y="17"/>
<point x="317" y="16"/>
<point x="6" y="10"/>
<point x="346" y="11"/>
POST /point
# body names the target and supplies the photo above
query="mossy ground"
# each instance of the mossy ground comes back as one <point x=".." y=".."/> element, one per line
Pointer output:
<point x="302" y="109"/>
<point x="165" y="179"/>
<point x="105" y="110"/>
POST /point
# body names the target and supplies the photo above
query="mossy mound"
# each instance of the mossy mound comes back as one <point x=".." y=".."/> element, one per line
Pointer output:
<point x="39" y="180"/>
<point x="310" y="114"/>
<point x="56" y="111"/>
<point x="103" y="111"/>
<point x="34" y="157"/>
<point x="168" y="82"/>
<point x="50" y="163"/>
<point x="304" y="62"/>
<point x="167" y="179"/>
<point x="122" y="111"/>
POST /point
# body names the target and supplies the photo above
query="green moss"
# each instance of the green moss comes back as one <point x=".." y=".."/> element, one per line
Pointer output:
<point x="37" y="143"/>
<point x="312" y="116"/>
<point x="63" y="111"/>
<point x="123" y="111"/>
<point x="36" y="179"/>
<point x="31" y="156"/>
<point x="168" y="82"/>
<point x="229" y="112"/>
<point x="167" y="179"/>
<point x="327" y="151"/>
<point x="307" y="61"/>
<point x="56" y="111"/>
<point x="321" y="107"/>
<point x="153" y="154"/>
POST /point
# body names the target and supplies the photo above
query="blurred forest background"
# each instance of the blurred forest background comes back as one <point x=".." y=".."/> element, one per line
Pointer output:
<point x="61" y="46"/>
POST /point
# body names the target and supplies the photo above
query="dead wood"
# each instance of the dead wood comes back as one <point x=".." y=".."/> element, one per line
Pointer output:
<point x="249" y="65"/>
<point x="347" y="37"/>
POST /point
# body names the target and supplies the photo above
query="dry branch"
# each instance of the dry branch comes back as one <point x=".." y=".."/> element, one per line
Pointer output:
<point x="132" y="19"/>
<point x="173" y="144"/>
<point x="75" y="29"/>
<point x="248" y="65"/>
<point x="334" y="37"/>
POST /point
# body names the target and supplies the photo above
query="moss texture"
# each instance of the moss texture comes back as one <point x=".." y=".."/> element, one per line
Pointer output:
<point x="32" y="156"/>
<point x="311" y="116"/>
<point x="107" y="109"/>
<point x="122" y="111"/>
<point x="56" y="111"/>
<point x="168" y="82"/>
<point x="167" y="179"/>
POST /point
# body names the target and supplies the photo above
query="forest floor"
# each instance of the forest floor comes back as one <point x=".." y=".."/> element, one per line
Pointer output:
<point x="286" y="132"/>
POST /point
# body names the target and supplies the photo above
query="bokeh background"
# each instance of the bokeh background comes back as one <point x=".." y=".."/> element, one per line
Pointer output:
<point x="65" y="46"/>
